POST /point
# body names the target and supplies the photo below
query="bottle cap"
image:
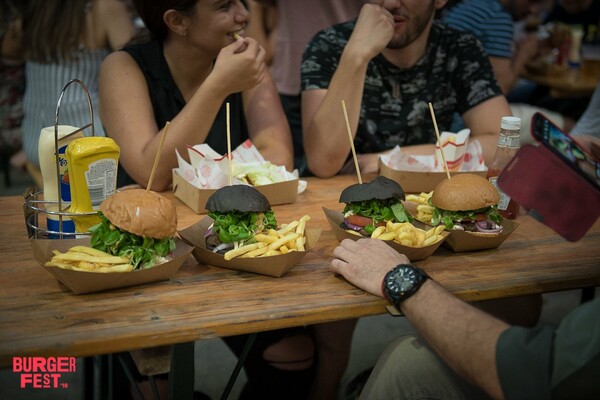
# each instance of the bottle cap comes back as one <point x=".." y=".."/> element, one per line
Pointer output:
<point x="511" y="123"/>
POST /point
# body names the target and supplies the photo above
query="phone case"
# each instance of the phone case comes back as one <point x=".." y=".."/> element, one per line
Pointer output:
<point x="551" y="191"/>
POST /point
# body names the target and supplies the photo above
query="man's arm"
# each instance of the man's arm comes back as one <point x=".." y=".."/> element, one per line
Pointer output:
<point x="326" y="141"/>
<point x="462" y="335"/>
<point x="507" y="70"/>
<point x="484" y="121"/>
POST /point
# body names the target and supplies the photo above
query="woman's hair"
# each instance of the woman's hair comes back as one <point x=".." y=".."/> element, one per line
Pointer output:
<point x="152" y="11"/>
<point x="53" y="29"/>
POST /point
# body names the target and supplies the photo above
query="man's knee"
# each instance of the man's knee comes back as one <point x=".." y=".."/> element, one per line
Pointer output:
<point x="292" y="353"/>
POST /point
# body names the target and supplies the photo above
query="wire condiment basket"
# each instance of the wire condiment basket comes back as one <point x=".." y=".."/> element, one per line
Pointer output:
<point x="35" y="206"/>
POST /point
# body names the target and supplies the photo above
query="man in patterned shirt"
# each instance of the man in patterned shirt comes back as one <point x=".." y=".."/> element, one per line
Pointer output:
<point x="387" y="66"/>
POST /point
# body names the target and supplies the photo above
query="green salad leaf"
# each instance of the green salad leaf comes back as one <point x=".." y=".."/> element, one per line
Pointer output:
<point x="143" y="252"/>
<point x="378" y="211"/>
<point x="238" y="226"/>
<point x="449" y="218"/>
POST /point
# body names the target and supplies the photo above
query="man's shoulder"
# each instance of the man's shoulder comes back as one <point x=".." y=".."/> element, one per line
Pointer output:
<point x="335" y="33"/>
<point x="477" y="11"/>
<point x="450" y="37"/>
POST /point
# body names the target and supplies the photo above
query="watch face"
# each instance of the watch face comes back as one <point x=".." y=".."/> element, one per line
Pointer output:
<point x="402" y="280"/>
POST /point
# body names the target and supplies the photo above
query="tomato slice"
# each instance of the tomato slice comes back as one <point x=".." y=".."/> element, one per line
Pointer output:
<point x="358" y="220"/>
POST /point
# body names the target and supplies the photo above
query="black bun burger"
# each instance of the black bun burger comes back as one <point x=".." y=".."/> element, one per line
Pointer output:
<point x="372" y="204"/>
<point x="467" y="202"/>
<point x="138" y="225"/>
<point x="239" y="212"/>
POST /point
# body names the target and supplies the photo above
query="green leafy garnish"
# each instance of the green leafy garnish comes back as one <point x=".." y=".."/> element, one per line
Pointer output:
<point x="378" y="211"/>
<point x="143" y="252"/>
<point x="238" y="226"/>
<point x="449" y="218"/>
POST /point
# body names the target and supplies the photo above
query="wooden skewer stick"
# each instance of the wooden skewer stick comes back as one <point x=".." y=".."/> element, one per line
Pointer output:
<point x="351" y="142"/>
<point x="157" y="157"/>
<point x="437" y="133"/>
<point x="229" y="143"/>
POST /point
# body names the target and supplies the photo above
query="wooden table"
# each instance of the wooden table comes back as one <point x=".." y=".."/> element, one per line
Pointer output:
<point x="39" y="317"/>
<point x="567" y="83"/>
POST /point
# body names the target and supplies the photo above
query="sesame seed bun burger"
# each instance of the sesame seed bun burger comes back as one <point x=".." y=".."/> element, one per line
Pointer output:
<point x="372" y="204"/>
<point x="138" y="225"/>
<point x="239" y="212"/>
<point x="467" y="202"/>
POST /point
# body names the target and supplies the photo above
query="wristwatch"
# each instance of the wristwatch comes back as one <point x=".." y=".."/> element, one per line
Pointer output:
<point x="402" y="282"/>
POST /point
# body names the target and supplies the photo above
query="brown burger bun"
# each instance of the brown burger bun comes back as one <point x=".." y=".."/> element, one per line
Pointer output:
<point x="146" y="214"/>
<point x="465" y="192"/>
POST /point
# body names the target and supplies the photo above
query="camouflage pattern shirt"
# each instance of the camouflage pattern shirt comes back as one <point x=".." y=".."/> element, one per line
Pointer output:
<point x="454" y="75"/>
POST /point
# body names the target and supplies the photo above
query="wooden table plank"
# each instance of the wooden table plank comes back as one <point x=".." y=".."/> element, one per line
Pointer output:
<point x="39" y="317"/>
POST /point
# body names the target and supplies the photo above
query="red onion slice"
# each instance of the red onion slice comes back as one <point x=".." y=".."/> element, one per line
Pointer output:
<point x="482" y="226"/>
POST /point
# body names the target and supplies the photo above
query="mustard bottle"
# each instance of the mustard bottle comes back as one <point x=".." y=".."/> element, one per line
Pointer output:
<point x="92" y="171"/>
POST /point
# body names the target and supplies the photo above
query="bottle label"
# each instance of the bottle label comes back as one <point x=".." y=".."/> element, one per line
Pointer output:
<point x="504" y="198"/>
<point x="63" y="176"/>
<point x="508" y="141"/>
<point x="101" y="178"/>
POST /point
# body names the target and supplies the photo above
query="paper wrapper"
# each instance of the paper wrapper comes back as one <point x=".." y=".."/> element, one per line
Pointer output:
<point x="275" y="266"/>
<point x="454" y="146"/>
<point x="195" y="182"/>
<point x="459" y="241"/>
<point x="80" y="282"/>
<point x="419" y="174"/>
<point x="335" y="218"/>
<point x="210" y="170"/>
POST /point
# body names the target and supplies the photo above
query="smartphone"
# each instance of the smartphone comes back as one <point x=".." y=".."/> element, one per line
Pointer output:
<point x="563" y="145"/>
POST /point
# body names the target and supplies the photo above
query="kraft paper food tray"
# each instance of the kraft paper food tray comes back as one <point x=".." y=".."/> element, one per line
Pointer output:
<point x="459" y="241"/>
<point x="80" y="282"/>
<point x="195" y="198"/>
<point x="417" y="182"/>
<point x="335" y="218"/>
<point x="275" y="266"/>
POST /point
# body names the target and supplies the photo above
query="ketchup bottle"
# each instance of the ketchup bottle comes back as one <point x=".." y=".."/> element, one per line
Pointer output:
<point x="508" y="144"/>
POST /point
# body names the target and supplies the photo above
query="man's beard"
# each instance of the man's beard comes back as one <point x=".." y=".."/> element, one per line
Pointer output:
<point x="413" y="31"/>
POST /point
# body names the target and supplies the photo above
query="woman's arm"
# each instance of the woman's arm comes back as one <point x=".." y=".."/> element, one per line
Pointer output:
<point x="268" y="127"/>
<point x="128" y="117"/>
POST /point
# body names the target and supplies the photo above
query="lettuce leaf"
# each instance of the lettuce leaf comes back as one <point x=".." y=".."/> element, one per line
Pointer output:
<point x="143" y="252"/>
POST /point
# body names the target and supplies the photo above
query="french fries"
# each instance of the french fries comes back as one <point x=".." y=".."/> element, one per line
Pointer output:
<point x="424" y="209"/>
<point x="288" y="238"/>
<point x="88" y="259"/>
<point x="407" y="234"/>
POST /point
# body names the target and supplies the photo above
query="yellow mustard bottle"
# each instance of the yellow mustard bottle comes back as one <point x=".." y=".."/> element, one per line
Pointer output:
<point x="92" y="163"/>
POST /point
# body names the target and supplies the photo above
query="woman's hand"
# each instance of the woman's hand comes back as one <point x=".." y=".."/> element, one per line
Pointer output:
<point x="239" y="66"/>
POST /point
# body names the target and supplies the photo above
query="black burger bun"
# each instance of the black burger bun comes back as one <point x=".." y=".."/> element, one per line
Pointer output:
<point x="465" y="192"/>
<point x="380" y="188"/>
<point x="146" y="214"/>
<point x="243" y="198"/>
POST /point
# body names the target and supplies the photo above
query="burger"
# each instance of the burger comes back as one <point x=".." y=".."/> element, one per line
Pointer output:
<point x="138" y="225"/>
<point x="467" y="202"/>
<point x="239" y="212"/>
<point x="372" y="204"/>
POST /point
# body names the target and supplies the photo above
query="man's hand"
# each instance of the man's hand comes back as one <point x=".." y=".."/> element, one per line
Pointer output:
<point x="374" y="30"/>
<point x="365" y="262"/>
<point x="240" y="66"/>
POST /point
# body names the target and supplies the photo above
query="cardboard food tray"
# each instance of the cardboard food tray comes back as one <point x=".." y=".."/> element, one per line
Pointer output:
<point x="335" y="218"/>
<point x="195" y="198"/>
<point x="80" y="282"/>
<point x="417" y="182"/>
<point x="459" y="241"/>
<point x="275" y="266"/>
